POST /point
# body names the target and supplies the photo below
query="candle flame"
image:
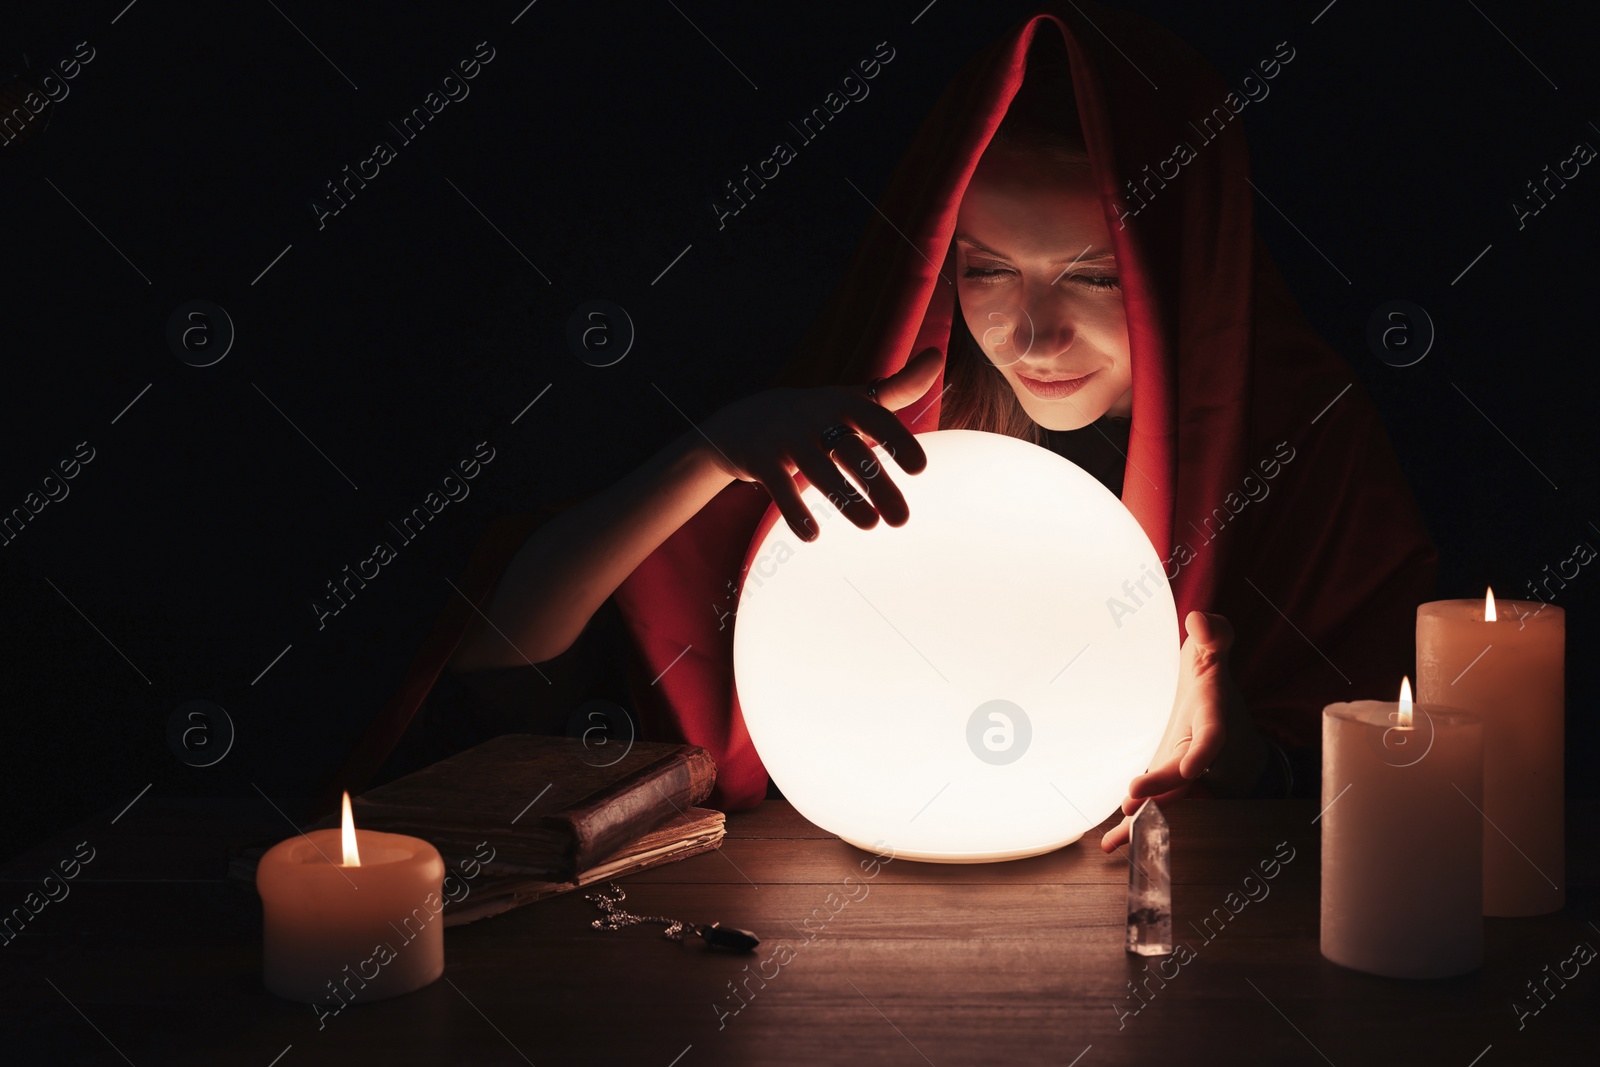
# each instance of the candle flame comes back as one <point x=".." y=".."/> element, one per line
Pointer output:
<point x="1403" y="719"/>
<point x="352" y="858"/>
<point x="1488" y="607"/>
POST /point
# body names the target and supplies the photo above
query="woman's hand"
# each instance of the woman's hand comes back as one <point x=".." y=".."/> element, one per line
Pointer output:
<point x="1211" y="729"/>
<point x="773" y="436"/>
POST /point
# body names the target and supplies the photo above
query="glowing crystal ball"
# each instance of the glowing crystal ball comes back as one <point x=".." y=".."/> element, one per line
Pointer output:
<point x="979" y="684"/>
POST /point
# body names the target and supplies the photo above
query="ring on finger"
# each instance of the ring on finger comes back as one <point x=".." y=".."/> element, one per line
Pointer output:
<point x="836" y="433"/>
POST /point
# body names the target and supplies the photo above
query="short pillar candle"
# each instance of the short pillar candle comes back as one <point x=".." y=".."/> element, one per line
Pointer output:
<point x="1401" y="846"/>
<point x="364" y="930"/>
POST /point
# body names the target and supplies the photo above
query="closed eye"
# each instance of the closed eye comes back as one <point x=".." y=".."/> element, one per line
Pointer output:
<point x="1096" y="282"/>
<point x="1102" y="282"/>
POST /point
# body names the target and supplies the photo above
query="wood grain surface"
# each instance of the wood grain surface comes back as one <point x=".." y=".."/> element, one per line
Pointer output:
<point x="151" y="959"/>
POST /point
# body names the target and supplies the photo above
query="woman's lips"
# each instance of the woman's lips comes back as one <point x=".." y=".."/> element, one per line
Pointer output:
<point x="1055" y="390"/>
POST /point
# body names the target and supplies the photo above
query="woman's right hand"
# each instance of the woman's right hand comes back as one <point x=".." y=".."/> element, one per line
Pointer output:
<point x="774" y="436"/>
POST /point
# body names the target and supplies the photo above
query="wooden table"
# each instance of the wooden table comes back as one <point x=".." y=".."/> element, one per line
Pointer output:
<point x="152" y="959"/>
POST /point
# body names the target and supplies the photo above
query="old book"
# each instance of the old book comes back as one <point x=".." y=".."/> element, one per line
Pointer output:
<point x="549" y="806"/>
<point x="471" y="893"/>
<point x="695" y="831"/>
<point x="525" y="816"/>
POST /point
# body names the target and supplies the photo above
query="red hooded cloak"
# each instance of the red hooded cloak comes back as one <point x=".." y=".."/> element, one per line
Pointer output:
<point x="1256" y="464"/>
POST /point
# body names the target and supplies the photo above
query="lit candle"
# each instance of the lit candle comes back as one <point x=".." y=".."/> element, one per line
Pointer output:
<point x="351" y="915"/>
<point x="1402" y="848"/>
<point x="1507" y="665"/>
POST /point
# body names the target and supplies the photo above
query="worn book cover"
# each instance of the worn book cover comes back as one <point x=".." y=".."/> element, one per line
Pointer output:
<point x="695" y="831"/>
<point x="537" y="809"/>
<point x="550" y="806"/>
<point x="472" y="892"/>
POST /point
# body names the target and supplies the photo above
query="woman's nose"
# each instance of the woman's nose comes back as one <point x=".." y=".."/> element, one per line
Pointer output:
<point x="1043" y="331"/>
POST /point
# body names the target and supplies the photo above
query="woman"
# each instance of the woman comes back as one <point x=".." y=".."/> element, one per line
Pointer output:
<point x="1057" y="280"/>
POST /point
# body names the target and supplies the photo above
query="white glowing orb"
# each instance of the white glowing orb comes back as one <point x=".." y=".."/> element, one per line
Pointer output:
<point x="979" y="684"/>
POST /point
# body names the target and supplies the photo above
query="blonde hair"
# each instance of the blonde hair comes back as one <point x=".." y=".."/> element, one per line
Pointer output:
<point x="978" y="396"/>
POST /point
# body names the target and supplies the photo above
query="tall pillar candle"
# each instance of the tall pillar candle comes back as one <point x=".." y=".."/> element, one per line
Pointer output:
<point x="1401" y="847"/>
<point x="1506" y="662"/>
<point x="366" y="928"/>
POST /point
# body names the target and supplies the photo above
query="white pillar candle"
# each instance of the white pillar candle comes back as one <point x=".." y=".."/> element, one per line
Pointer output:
<point x="351" y="915"/>
<point x="1507" y="664"/>
<point x="1402" y="850"/>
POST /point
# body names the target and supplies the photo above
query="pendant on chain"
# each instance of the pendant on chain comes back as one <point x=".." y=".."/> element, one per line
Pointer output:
<point x="715" y="935"/>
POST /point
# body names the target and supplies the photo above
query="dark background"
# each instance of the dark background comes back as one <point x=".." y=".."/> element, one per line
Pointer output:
<point x="408" y="329"/>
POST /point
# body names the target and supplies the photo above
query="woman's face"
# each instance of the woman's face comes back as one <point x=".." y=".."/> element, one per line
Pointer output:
<point x="1039" y="289"/>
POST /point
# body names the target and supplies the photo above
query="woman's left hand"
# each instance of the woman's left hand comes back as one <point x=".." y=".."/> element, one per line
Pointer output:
<point x="1211" y="728"/>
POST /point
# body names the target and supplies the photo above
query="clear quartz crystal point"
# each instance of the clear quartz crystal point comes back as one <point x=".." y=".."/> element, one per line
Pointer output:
<point x="1149" y="884"/>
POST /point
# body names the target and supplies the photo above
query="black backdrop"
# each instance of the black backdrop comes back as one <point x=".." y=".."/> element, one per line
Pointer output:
<point x="371" y="354"/>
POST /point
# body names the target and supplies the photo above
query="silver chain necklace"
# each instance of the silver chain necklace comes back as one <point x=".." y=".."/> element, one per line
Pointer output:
<point x="713" y="934"/>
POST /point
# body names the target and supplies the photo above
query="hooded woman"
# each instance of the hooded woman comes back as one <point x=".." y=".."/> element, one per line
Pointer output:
<point x="1065" y="254"/>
